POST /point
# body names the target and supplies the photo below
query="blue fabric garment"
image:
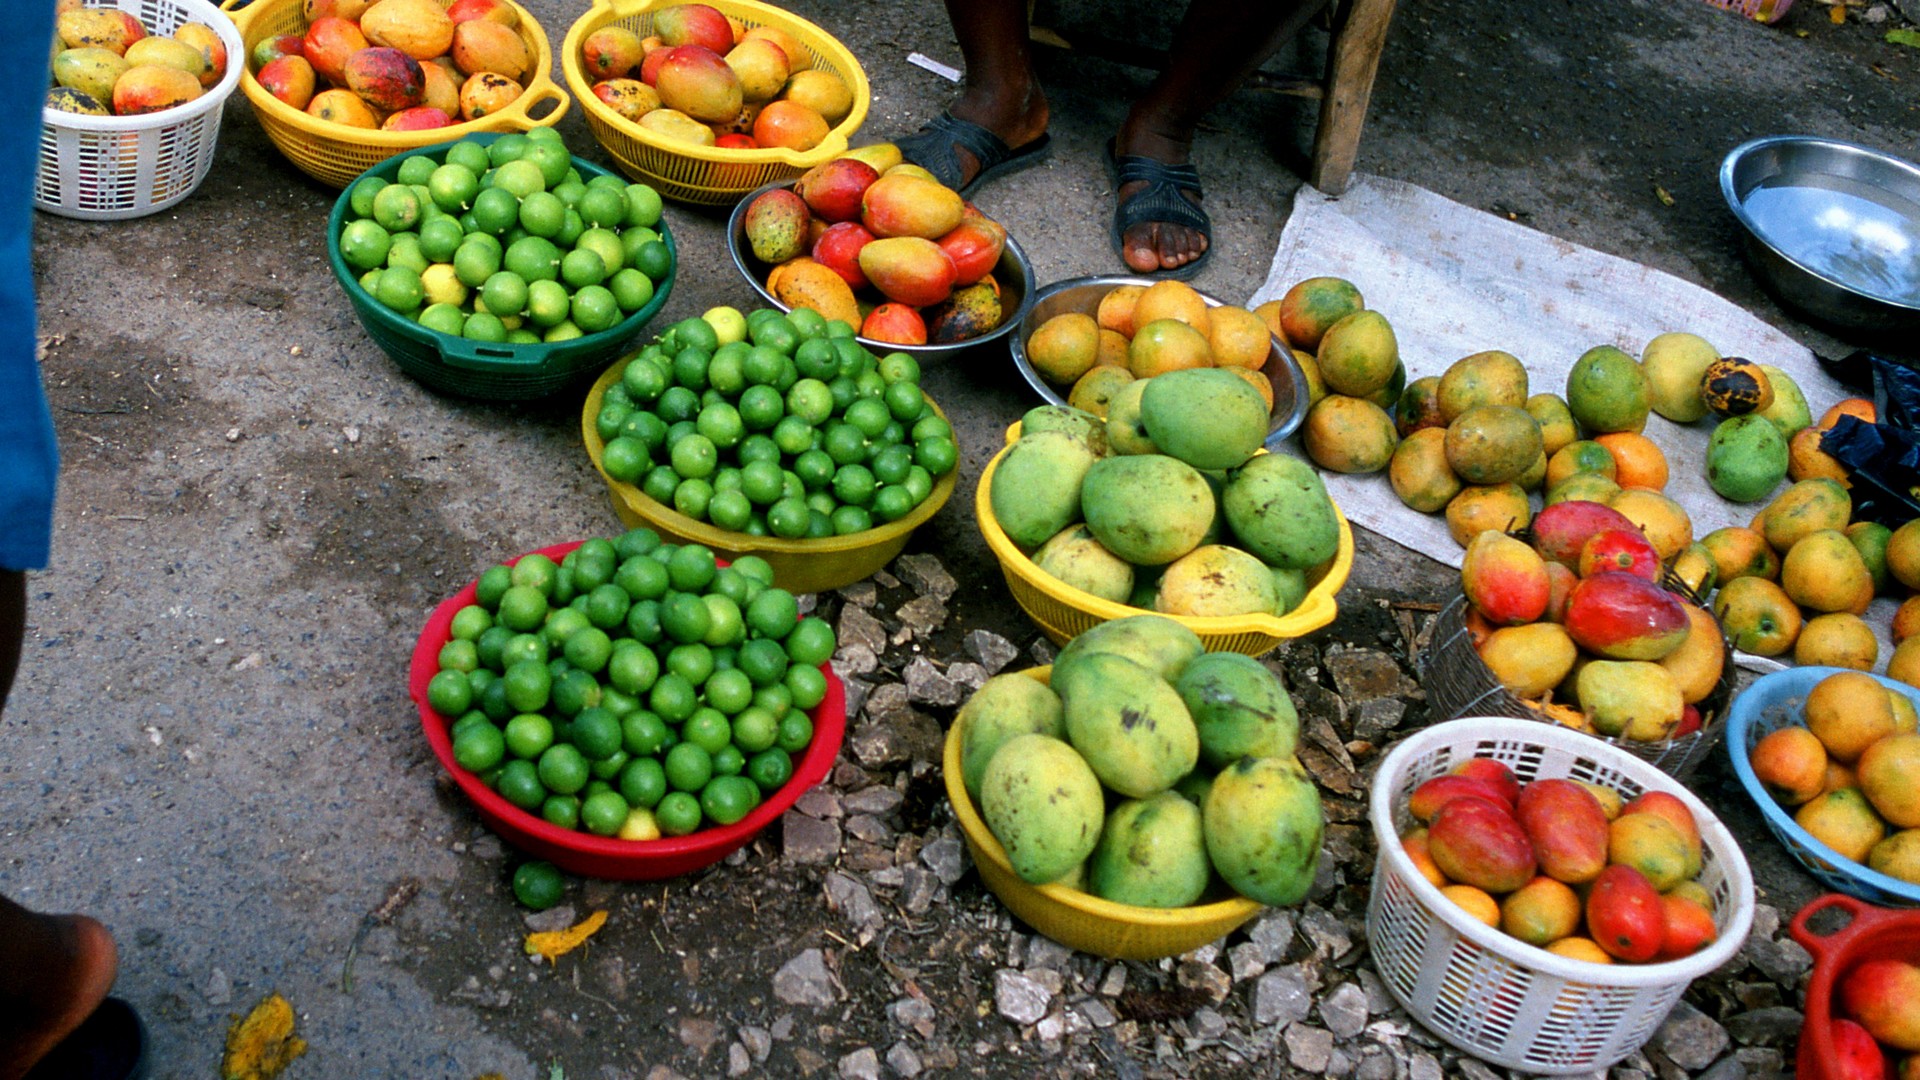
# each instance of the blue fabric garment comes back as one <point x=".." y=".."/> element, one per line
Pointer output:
<point x="29" y="458"/>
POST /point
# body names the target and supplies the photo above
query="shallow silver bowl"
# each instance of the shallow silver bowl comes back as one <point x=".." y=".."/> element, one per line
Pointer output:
<point x="1013" y="272"/>
<point x="1834" y="227"/>
<point x="1083" y="294"/>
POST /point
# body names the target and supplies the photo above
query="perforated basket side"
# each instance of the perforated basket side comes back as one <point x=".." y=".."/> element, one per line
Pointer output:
<point x="1494" y="996"/>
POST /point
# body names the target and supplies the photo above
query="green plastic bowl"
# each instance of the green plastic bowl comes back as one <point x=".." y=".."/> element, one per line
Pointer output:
<point x="481" y="369"/>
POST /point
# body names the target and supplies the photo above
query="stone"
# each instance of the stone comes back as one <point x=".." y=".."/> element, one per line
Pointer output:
<point x="758" y="1042"/>
<point x="1050" y="1028"/>
<point x="927" y="686"/>
<point x="1375" y="1064"/>
<point x="878" y="799"/>
<point x="1690" y="1037"/>
<point x="903" y="1061"/>
<point x="699" y="1034"/>
<point x="559" y="917"/>
<point x="1423" y="1066"/>
<point x="858" y="627"/>
<point x="1247" y="960"/>
<point x="925" y="575"/>
<point x="782" y="1029"/>
<point x="1784" y="960"/>
<point x="1044" y="952"/>
<point x="848" y="896"/>
<point x="1308" y="1047"/>
<point x="487" y="847"/>
<point x="1097" y="1013"/>
<point x="1344" y="1011"/>
<point x="918" y="889"/>
<point x="1727" y="1068"/>
<point x="822" y="803"/>
<point x="1475" y="1069"/>
<point x="992" y="651"/>
<point x="947" y="858"/>
<point x="809" y="841"/>
<point x="857" y="691"/>
<point x="1273" y="935"/>
<point x="805" y="980"/>
<point x="862" y="1064"/>
<point x="1043" y="651"/>
<point x="860" y="593"/>
<point x="1374" y="719"/>
<point x="1284" y="995"/>
<point x="1776" y="1026"/>
<point x="1362" y="674"/>
<point x="1114" y="982"/>
<point x="914" y="1013"/>
<point x="739" y="1061"/>
<point x="219" y="988"/>
<point x="1019" y="998"/>
<point x="867" y="828"/>
<point x="1207" y="1023"/>
<point x="1204" y="979"/>
<point x="1326" y="932"/>
<point x="852" y="660"/>
<point x="920" y="617"/>
<point x="877" y="745"/>
<point x="967" y="676"/>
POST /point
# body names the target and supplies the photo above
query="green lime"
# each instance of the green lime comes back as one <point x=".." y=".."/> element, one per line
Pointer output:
<point x="534" y="258"/>
<point x="643" y="782"/>
<point x="816" y="360"/>
<point x="552" y="159"/>
<point x="763" y="661"/>
<point x="571" y="226"/>
<point x="729" y="690"/>
<point x="493" y="702"/>
<point x="770" y="769"/>
<point x="479" y="747"/>
<point x="596" y="732"/>
<point x="589" y="649"/>
<point x="643" y="206"/>
<point x="727" y="799"/>
<point x="904" y="400"/>
<point x="938" y="455"/>
<point x="642" y="734"/>
<point x="919" y="484"/>
<point x="755" y="567"/>
<point x="755" y="729"/>
<point x="594" y="308"/>
<point x="484" y="326"/>
<point x="449" y="694"/>
<point x="440" y="239"/>
<point x="404" y="250"/>
<point x="528" y="735"/>
<point x="808" y="685"/>
<point x="631" y="289"/>
<point x="518" y="782"/>
<point x="796" y="731"/>
<point x="474" y="263"/>
<point x="685" y="617"/>
<point x="603" y="813"/>
<point x="504" y="293"/>
<point x="542" y="214"/>
<point x="673" y="698"/>
<point x="397" y="207"/>
<point x="364" y="244"/>
<point x="891" y="463"/>
<point x="538" y="885"/>
<point x="453" y="186"/>
<point x="470" y="622"/>
<point x="496" y="210"/>
<point x="762" y="366"/>
<point x="604" y="243"/>
<point x="529" y="685"/>
<point x="643" y="578"/>
<point x="777" y="334"/>
<point x="773" y="614"/>
<point x="678" y="813"/>
<point x="868" y="415"/>
<point x="582" y="267"/>
<point x="471" y="154"/>
<point x="360" y="197"/>
<point x="565" y="331"/>
<point x="677" y="403"/>
<point x="708" y="729"/>
<point x="607" y="606"/>
<point x="652" y="259"/>
<point x="643" y="380"/>
<point x="846" y="444"/>
<point x="491" y="586"/>
<point x="561" y="810"/>
<point x="694" y="457"/>
<point x="521" y="178"/>
<point x="523" y="608"/>
<point x="574" y="692"/>
<point x="633" y="671"/>
<point x="729" y="510"/>
<point x="443" y="319"/>
<point x="811" y="642"/>
<point x="523" y="646"/>
<point x="893" y="502"/>
<point x="691" y="568"/>
<point x="547" y="303"/>
<point x="692" y="661"/>
<point x="563" y="769"/>
<point x="569" y="191"/>
<point x="809" y="324"/>
<point x="728" y="627"/>
<point x="793" y="435"/>
<point x="787" y="518"/>
<point x="689" y="766"/>
<point x="415" y="169"/>
<point x="603" y="207"/>
<point x="661" y="484"/>
<point x="459" y="656"/>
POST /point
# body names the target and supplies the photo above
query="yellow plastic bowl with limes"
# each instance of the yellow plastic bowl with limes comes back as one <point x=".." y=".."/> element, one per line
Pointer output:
<point x="1063" y="612"/>
<point x="1078" y="919"/>
<point x="799" y="566"/>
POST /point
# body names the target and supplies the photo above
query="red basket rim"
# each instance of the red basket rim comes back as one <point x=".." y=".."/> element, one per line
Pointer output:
<point x="829" y="729"/>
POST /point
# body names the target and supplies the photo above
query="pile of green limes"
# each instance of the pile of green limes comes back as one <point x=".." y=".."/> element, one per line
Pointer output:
<point x="504" y="242"/>
<point x="791" y="429"/>
<point x="635" y="688"/>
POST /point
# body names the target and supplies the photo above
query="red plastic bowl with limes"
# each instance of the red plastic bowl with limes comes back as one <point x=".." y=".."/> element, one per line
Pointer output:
<point x="605" y="856"/>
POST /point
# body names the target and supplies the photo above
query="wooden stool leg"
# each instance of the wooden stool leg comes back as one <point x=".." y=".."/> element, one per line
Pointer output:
<point x="1354" y="60"/>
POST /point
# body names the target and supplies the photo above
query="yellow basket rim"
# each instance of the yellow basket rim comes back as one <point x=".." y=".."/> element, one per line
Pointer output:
<point x="839" y="137"/>
<point x="1317" y="608"/>
<point x="712" y="536"/>
<point x="1084" y="903"/>
<point x="540" y="87"/>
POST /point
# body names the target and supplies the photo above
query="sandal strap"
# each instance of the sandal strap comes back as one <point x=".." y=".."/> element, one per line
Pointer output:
<point x="1162" y="199"/>
<point x="1133" y="168"/>
<point x="932" y="148"/>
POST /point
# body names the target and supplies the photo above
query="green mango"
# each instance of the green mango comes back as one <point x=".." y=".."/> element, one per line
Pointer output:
<point x="1079" y="423"/>
<point x="1130" y="725"/>
<point x="1152" y="853"/>
<point x="1289" y="588"/>
<point x="1036" y="486"/>
<point x="1005" y="706"/>
<point x="1154" y="641"/>
<point x="1044" y="805"/>
<point x="1125" y="432"/>
<point x="1262" y="821"/>
<point x="1746" y="458"/>
<point x="1149" y="509"/>
<point x="1075" y="558"/>
<point x="1279" y="510"/>
<point x="1209" y="418"/>
<point x="1239" y="708"/>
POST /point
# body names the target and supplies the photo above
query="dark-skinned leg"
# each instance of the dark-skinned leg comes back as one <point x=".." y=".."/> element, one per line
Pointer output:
<point x="1001" y="92"/>
<point x="54" y="969"/>
<point x="1218" y="45"/>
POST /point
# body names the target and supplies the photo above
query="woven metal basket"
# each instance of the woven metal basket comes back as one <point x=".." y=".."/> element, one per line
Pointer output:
<point x="1459" y="684"/>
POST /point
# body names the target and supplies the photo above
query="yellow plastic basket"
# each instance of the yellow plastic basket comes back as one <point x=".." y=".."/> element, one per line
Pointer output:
<point x="1078" y="919"/>
<point x="335" y="154"/>
<point x="1063" y="612"/>
<point x="799" y="566"/>
<point x="705" y="175"/>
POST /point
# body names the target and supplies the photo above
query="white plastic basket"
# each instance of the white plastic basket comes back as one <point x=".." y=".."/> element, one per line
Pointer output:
<point x="104" y="168"/>
<point x="1492" y="995"/>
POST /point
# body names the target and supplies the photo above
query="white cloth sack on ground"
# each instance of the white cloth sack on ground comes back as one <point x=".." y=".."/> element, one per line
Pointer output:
<point x="1454" y="281"/>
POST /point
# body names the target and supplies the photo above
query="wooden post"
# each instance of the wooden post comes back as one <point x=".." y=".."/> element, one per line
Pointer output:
<point x="1353" y="62"/>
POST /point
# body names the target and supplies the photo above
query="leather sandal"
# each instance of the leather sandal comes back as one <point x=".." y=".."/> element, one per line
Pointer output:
<point x="932" y="148"/>
<point x="1160" y="201"/>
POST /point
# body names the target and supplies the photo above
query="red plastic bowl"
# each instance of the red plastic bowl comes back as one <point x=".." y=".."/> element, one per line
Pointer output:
<point x="605" y="856"/>
<point x="1874" y="933"/>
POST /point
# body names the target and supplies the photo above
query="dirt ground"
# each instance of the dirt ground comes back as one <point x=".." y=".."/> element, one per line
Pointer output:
<point x="211" y="746"/>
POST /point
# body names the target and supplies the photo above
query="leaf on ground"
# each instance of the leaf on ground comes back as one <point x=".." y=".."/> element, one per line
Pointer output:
<point x="1904" y="36"/>
<point x="1837" y="14"/>
<point x="557" y="943"/>
<point x="1661" y="194"/>
<point x="263" y="1043"/>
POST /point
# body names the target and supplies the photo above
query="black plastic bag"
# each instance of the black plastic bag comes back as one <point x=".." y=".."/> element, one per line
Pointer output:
<point x="1883" y="457"/>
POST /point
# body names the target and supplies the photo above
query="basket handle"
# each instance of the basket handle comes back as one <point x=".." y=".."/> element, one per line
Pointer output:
<point x="1864" y="916"/>
<point x="520" y="113"/>
<point x="243" y="16"/>
<point x="470" y="355"/>
<point x="624" y="8"/>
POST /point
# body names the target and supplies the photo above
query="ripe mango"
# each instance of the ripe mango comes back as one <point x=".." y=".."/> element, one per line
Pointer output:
<point x="776" y="225"/>
<point x="1625" y="915"/>
<point x="1129" y="724"/>
<point x="1279" y="510"/>
<point x="805" y="283"/>
<point x="1075" y="558"/>
<point x="1037" y="485"/>
<point x="1674" y="364"/>
<point x="900" y="204"/>
<point x="1152" y="853"/>
<point x="150" y="88"/>
<point x="1359" y="354"/>
<point x="1607" y="391"/>
<point x="1262" y="821"/>
<point x="1149" y="509"/>
<point x="1477" y="842"/>
<point x="1239" y="708"/>
<point x="92" y="70"/>
<point x="1634" y="699"/>
<point x="1484" y="378"/>
<point x="1043" y="804"/>
<point x="1216" y="580"/>
<point x="1567" y="827"/>
<point x="1824" y="572"/>
<point x="1005" y="706"/>
<point x="910" y="269"/>
<point x="968" y="312"/>
<point x="1529" y="660"/>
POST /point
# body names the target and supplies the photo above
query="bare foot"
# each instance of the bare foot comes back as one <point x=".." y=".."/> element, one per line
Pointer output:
<point x="66" y="963"/>
<point x="1156" y="245"/>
